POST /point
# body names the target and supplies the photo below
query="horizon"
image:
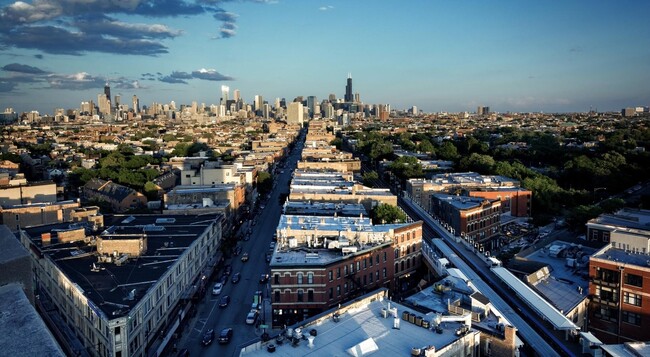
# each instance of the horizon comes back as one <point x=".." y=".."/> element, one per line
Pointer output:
<point x="438" y="56"/>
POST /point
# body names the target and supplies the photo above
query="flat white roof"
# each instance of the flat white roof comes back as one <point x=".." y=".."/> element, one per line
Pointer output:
<point x="357" y="326"/>
<point x="539" y="304"/>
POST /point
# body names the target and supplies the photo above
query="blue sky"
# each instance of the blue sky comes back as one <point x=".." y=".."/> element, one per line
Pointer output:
<point x="438" y="55"/>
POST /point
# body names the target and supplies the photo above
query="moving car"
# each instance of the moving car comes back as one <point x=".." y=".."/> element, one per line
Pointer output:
<point x="225" y="335"/>
<point x="244" y="257"/>
<point x="251" y="317"/>
<point x="224" y="301"/>
<point x="235" y="278"/>
<point x="264" y="278"/>
<point x="208" y="337"/>
<point x="216" y="290"/>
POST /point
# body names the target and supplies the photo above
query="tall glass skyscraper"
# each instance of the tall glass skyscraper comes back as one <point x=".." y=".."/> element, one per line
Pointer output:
<point x="348" y="90"/>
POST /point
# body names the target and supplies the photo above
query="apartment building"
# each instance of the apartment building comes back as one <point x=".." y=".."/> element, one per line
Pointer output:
<point x="321" y="261"/>
<point x="123" y="287"/>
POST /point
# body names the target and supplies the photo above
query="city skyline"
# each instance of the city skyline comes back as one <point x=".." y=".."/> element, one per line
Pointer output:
<point x="437" y="56"/>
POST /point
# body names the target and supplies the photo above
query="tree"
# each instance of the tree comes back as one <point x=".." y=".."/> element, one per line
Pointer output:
<point x="337" y="142"/>
<point x="406" y="167"/>
<point x="426" y="147"/>
<point x="447" y="151"/>
<point x="483" y="164"/>
<point x="387" y="214"/>
<point x="151" y="190"/>
<point x="369" y="178"/>
<point x="264" y="182"/>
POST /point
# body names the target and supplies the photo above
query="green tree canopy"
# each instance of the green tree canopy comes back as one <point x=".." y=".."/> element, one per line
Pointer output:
<point x="406" y="167"/>
<point x="387" y="214"/>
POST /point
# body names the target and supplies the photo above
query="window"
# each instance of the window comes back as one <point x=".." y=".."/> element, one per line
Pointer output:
<point x="631" y="298"/>
<point x="358" y="266"/>
<point x="299" y="278"/>
<point x="300" y="296"/>
<point x="345" y="288"/>
<point x="377" y="260"/>
<point x="396" y="254"/>
<point x="331" y="293"/>
<point x="365" y="263"/>
<point x="330" y="275"/>
<point x="396" y="267"/>
<point x="370" y="260"/>
<point x="310" y="295"/>
<point x="385" y="256"/>
<point x="351" y="268"/>
<point x="631" y="318"/>
<point x="345" y="270"/>
<point x="277" y="296"/>
<point x="408" y="236"/>
<point x="634" y="280"/>
<point x="276" y="278"/>
<point x="365" y="282"/>
<point x="338" y="272"/>
<point x="385" y="275"/>
<point x="370" y="277"/>
<point x="377" y="275"/>
<point x="310" y="278"/>
<point x="338" y="290"/>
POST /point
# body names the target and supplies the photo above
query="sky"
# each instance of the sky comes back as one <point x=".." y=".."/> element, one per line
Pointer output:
<point x="441" y="56"/>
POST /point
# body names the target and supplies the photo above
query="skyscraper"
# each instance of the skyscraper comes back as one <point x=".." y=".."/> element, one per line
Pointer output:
<point x="136" y="104"/>
<point x="225" y="91"/>
<point x="107" y="91"/>
<point x="295" y="113"/>
<point x="236" y="95"/>
<point x="348" y="90"/>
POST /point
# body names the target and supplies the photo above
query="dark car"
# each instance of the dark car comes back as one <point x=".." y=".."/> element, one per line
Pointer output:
<point x="223" y="279"/>
<point x="268" y="257"/>
<point x="224" y="301"/>
<point x="227" y="269"/>
<point x="208" y="337"/>
<point x="225" y="335"/>
<point x="237" y="250"/>
<point x="264" y="278"/>
<point x="235" y="278"/>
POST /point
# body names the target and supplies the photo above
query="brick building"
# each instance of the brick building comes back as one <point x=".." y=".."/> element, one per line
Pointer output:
<point x="321" y="262"/>
<point x="473" y="218"/>
<point x="619" y="274"/>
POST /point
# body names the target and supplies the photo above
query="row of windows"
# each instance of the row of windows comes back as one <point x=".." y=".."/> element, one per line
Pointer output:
<point x="300" y="296"/>
<point x="367" y="262"/>
<point x="299" y="278"/>
<point x="631" y="298"/>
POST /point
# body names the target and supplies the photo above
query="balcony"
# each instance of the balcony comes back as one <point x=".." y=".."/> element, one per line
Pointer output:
<point x="602" y="282"/>
<point x="605" y="301"/>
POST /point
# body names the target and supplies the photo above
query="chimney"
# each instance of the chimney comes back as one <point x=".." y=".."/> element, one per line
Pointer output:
<point x="46" y="238"/>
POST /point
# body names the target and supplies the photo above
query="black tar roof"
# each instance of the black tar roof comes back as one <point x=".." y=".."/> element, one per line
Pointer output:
<point x="109" y="286"/>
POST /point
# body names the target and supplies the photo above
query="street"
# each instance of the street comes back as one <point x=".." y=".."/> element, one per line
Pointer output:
<point x="209" y="315"/>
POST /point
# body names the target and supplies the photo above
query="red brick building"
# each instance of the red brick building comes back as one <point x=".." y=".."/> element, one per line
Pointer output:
<point x="473" y="218"/>
<point x="516" y="201"/>
<point x="318" y="268"/>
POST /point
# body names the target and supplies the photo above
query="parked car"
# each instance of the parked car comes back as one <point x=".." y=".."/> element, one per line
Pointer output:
<point x="227" y="269"/>
<point x="223" y="279"/>
<point x="236" y="251"/>
<point x="251" y="318"/>
<point x="225" y="336"/>
<point x="216" y="290"/>
<point x="224" y="301"/>
<point x="244" y="257"/>
<point x="268" y="257"/>
<point x="235" y="278"/>
<point x="208" y="337"/>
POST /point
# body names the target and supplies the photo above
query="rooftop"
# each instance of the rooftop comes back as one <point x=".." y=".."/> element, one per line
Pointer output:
<point x="623" y="257"/>
<point x="21" y="326"/>
<point x="628" y="349"/>
<point x="108" y="285"/>
<point x="627" y="217"/>
<point x="460" y="202"/>
<point x="324" y="209"/>
<point x="361" y="330"/>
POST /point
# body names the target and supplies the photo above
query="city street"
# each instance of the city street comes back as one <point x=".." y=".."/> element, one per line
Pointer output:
<point x="209" y="314"/>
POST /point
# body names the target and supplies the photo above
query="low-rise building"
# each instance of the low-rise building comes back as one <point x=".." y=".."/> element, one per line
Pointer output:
<point x="123" y="289"/>
<point x="475" y="219"/>
<point x="620" y="279"/>
<point x="322" y="261"/>
<point x="119" y="197"/>
<point x="373" y="324"/>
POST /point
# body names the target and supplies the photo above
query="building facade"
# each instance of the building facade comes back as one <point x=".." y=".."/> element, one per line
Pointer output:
<point x="334" y="259"/>
<point x="116" y="306"/>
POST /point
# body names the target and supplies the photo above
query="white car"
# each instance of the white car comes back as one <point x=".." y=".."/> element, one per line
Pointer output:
<point x="251" y="317"/>
<point x="217" y="289"/>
